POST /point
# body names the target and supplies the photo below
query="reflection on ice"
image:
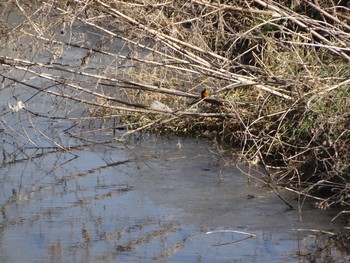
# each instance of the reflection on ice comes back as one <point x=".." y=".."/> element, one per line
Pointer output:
<point x="152" y="201"/>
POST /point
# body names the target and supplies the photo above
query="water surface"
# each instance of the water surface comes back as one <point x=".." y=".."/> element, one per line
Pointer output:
<point x="147" y="201"/>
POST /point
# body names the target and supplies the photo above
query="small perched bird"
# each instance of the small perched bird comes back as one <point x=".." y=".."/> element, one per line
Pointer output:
<point x="205" y="97"/>
<point x="204" y="93"/>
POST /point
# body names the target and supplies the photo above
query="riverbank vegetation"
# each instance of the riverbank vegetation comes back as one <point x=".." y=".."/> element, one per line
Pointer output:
<point x="277" y="74"/>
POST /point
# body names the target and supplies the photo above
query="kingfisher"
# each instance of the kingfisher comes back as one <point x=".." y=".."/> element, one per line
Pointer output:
<point x="205" y="97"/>
<point x="204" y="93"/>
